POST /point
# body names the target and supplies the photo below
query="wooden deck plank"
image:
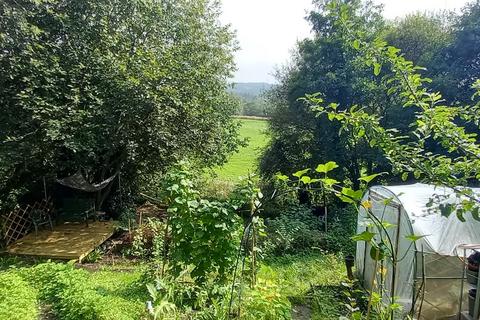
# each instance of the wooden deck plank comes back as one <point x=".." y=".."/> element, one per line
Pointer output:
<point x="67" y="242"/>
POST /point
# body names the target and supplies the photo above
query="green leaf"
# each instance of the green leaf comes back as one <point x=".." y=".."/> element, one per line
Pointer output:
<point x="447" y="209"/>
<point x="346" y="199"/>
<point x="329" y="182"/>
<point x="388" y="225"/>
<point x="306" y="179"/>
<point x="327" y="167"/>
<point x="356" y="44"/>
<point x="377" y="68"/>
<point x="377" y="252"/>
<point x="281" y="177"/>
<point x="353" y="194"/>
<point x="476" y="213"/>
<point x="405" y="176"/>
<point x="364" y="236"/>
<point x="414" y="238"/>
<point x="369" y="178"/>
<point x="300" y="173"/>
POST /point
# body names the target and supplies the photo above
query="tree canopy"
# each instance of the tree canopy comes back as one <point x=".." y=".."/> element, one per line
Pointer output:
<point x="107" y="85"/>
<point x="330" y="67"/>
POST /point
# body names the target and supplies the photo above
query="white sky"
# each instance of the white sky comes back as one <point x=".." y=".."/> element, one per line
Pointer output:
<point x="267" y="30"/>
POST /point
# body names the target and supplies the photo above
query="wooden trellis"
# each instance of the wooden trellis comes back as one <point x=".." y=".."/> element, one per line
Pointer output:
<point x="18" y="222"/>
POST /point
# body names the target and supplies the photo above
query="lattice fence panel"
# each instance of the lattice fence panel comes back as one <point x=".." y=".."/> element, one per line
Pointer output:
<point x="18" y="222"/>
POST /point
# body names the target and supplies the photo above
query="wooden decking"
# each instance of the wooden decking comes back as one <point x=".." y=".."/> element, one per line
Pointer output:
<point x="69" y="241"/>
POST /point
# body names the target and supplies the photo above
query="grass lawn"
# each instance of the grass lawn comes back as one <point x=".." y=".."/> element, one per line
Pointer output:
<point x="312" y="280"/>
<point x="246" y="159"/>
<point x="58" y="291"/>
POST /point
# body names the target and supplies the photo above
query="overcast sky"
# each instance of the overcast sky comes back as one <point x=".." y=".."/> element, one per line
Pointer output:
<point x="267" y="30"/>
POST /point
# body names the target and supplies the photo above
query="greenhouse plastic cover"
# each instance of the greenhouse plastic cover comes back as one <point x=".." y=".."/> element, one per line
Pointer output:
<point x="406" y="207"/>
<point x="442" y="235"/>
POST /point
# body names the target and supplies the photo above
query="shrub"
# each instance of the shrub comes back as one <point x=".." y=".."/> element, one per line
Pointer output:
<point x="148" y="240"/>
<point x="296" y="229"/>
<point x="18" y="301"/>
<point x="205" y="234"/>
<point x="342" y="226"/>
<point x="265" y="302"/>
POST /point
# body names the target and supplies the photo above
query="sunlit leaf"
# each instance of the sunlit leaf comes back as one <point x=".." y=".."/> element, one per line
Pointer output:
<point x="301" y="173"/>
<point x="364" y="236"/>
<point x="414" y="237"/>
<point x="369" y="178"/>
<point x="327" y="167"/>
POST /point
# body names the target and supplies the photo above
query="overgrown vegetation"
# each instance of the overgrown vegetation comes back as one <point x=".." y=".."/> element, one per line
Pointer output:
<point x="140" y="88"/>
<point x="108" y="86"/>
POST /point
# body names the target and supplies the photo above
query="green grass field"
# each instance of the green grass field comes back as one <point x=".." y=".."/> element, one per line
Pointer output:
<point x="245" y="160"/>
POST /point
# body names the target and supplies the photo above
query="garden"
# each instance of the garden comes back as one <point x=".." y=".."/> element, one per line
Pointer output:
<point x="118" y="114"/>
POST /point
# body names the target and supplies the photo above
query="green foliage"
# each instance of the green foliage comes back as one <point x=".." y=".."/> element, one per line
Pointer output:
<point x="458" y="164"/>
<point x="111" y="84"/>
<point x="421" y="37"/>
<point x="204" y="234"/>
<point x="312" y="279"/>
<point x="18" y="301"/>
<point x="328" y="64"/>
<point x="76" y="294"/>
<point x="266" y="302"/>
<point x="294" y="230"/>
<point x="148" y="240"/>
<point x="93" y="256"/>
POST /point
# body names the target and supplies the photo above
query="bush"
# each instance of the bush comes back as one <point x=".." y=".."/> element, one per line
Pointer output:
<point x="342" y="226"/>
<point x="148" y="240"/>
<point x="295" y="230"/>
<point x="18" y="301"/>
<point x="265" y="302"/>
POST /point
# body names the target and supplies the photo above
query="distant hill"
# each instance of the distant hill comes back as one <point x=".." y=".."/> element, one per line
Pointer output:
<point x="250" y="90"/>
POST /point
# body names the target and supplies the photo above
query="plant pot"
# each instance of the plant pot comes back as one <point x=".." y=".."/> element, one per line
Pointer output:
<point x="472" y="276"/>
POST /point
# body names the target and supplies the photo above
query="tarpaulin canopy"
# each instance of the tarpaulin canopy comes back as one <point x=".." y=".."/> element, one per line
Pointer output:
<point x="431" y="267"/>
<point x="78" y="182"/>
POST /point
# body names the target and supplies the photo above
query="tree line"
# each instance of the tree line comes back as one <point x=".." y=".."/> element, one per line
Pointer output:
<point x="446" y="45"/>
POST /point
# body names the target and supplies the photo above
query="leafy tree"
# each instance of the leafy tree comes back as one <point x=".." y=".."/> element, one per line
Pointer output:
<point x="327" y="64"/>
<point x="460" y="66"/>
<point x="434" y="119"/>
<point x="422" y="37"/>
<point x="111" y="85"/>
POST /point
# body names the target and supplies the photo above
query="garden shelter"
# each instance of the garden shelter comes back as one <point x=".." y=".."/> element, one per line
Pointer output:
<point x="427" y="277"/>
